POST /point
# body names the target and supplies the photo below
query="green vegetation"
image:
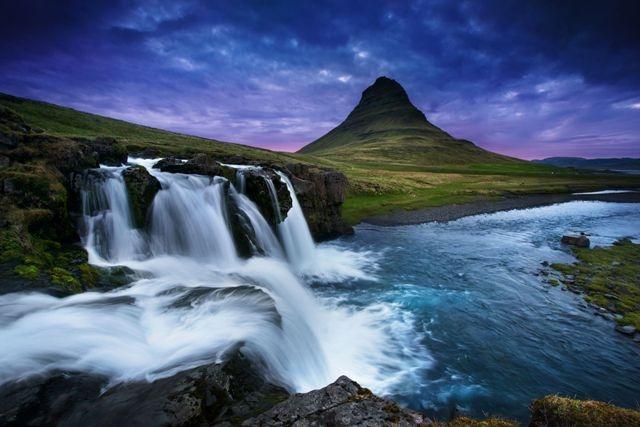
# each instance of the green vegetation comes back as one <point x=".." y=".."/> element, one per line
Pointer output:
<point x="390" y="164"/>
<point x="396" y="160"/>
<point x="609" y="277"/>
<point x="561" y="411"/>
<point x="472" y="422"/>
<point x="60" y="121"/>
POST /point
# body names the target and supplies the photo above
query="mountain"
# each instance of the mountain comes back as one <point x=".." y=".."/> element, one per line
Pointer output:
<point x="385" y="125"/>
<point x="621" y="163"/>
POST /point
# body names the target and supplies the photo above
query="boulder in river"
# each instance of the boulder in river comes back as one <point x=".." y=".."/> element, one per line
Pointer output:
<point x="626" y="329"/>
<point x="142" y="187"/>
<point x="581" y="241"/>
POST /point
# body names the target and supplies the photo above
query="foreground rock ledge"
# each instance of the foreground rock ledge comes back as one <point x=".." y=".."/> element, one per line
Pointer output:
<point x="342" y="403"/>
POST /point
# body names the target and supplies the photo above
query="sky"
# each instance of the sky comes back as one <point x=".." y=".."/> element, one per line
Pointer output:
<point x="530" y="79"/>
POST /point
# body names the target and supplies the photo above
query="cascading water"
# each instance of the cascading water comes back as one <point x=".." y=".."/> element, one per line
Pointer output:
<point x="197" y="298"/>
<point x="109" y="233"/>
<point x="295" y="232"/>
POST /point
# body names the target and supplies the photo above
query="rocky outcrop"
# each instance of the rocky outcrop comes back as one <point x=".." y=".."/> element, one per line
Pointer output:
<point x="200" y="164"/>
<point x="215" y="394"/>
<point x="581" y="241"/>
<point x="261" y="185"/>
<point x="142" y="187"/>
<point x="321" y="193"/>
<point x="342" y="403"/>
<point x="229" y="393"/>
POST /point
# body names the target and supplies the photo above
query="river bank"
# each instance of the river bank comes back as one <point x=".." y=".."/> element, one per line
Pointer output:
<point x="457" y="211"/>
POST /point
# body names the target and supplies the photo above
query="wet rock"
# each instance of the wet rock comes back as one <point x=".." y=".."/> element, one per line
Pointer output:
<point x="626" y="329"/>
<point x="321" y="193"/>
<point x="200" y="164"/>
<point x="208" y="395"/>
<point x="579" y="241"/>
<point x="342" y="403"/>
<point x="258" y="188"/>
<point x="244" y="235"/>
<point x="107" y="150"/>
<point x="142" y="187"/>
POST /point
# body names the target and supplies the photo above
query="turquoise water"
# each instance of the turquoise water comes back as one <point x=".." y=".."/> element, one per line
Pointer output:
<point x="492" y="334"/>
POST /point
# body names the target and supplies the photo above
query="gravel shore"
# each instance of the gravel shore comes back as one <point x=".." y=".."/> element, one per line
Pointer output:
<point x="452" y="212"/>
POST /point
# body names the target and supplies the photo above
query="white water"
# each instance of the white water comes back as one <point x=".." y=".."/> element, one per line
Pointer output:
<point x="197" y="299"/>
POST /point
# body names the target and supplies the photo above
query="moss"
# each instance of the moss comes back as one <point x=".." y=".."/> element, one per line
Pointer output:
<point x="61" y="277"/>
<point x="29" y="272"/>
<point x="609" y="277"/>
<point x="561" y="411"/>
<point x="553" y="281"/>
<point x="470" y="422"/>
<point x="89" y="275"/>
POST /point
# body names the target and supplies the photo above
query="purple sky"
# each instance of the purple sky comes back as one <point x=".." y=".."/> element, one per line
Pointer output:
<point x="530" y="79"/>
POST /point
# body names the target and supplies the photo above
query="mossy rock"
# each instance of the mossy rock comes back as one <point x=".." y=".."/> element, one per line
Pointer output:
<point x="561" y="411"/>
<point x="142" y="188"/>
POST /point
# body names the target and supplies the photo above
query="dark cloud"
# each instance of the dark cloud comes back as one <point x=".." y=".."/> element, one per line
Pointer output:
<point x="527" y="78"/>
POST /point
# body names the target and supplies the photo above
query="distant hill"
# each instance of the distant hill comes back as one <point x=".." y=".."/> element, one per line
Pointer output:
<point x="386" y="126"/>
<point x="621" y="163"/>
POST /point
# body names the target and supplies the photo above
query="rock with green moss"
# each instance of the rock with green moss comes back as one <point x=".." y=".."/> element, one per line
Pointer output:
<point x="555" y="411"/>
<point x="142" y="187"/>
<point x="609" y="277"/>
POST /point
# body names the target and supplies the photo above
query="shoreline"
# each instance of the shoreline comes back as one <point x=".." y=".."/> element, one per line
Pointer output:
<point x="456" y="211"/>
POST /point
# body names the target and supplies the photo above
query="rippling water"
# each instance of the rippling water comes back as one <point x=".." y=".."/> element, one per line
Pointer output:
<point x="494" y="334"/>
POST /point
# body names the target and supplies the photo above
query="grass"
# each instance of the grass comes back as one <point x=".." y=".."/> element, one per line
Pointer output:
<point x="562" y="411"/>
<point x="609" y="278"/>
<point x="62" y="121"/>
<point x="390" y="172"/>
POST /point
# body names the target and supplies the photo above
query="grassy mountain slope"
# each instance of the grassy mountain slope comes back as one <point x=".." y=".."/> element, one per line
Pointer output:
<point x="62" y="121"/>
<point x="395" y="159"/>
<point x="386" y="126"/>
<point x="379" y="182"/>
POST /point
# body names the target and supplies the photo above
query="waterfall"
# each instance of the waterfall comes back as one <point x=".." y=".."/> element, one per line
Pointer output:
<point x="195" y="298"/>
<point x="267" y="241"/>
<point x="295" y="232"/>
<point x="109" y="232"/>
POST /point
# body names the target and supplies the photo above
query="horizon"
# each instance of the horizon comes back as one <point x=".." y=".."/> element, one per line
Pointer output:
<point x="524" y="81"/>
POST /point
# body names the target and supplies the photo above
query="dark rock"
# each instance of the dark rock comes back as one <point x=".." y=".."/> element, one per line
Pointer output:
<point x="167" y="162"/>
<point x="4" y="161"/>
<point x="147" y="153"/>
<point x="107" y="150"/>
<point x="244" y="235"/>
<point x="545" y="263"/>
<point x="200" y="164"/>
<point x="342" y="403"/>
<point x="321" y="193"/>
<point x="579" y="241"/>
<point x="259" y="190"/>
<point x="211" y="394"/>
<point x="142" y="187"/>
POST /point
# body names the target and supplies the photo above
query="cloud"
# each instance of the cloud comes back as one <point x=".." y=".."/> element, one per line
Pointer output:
<point x="528" y="79"/>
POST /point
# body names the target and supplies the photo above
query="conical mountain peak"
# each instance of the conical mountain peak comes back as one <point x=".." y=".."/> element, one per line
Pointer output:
<point x="386" y="126"/>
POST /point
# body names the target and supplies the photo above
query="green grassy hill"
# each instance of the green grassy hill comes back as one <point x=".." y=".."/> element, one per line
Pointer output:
<point x="396" y="159"/>
<point x="386" y="127"/>
<point x="405" y="172"/>
<point x="63" y="121"/>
